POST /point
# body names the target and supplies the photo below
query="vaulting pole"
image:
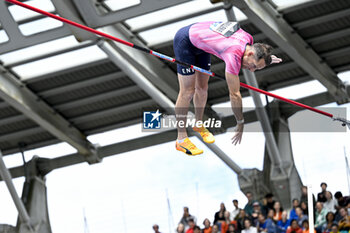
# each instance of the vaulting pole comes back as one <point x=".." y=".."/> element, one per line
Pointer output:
<point x="173" y="60"/>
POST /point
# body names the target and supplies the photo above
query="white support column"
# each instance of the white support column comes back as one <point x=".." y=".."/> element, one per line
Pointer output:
<point x="263" y="118"/>
<point x="6" y="176"/>
<point x="311" y="208"/>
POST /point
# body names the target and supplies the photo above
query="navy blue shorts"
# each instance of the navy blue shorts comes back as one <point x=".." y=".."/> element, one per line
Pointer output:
<point x="186" y="52"/>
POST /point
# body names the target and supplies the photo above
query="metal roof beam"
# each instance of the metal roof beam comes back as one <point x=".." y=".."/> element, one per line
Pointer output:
<point x="17" y="40"/>
<point x="271" y="22"/>
<point x="152" y="68"/>
<point x="170" y="21"/>
<point x="25" y="101"/>
<point x="91" y="16"/>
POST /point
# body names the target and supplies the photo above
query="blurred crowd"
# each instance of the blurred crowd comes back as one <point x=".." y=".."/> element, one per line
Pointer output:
<point x="331" y="215"/>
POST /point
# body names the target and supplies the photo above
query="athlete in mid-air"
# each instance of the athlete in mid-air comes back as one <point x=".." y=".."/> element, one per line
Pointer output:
<point x="194" y="44"/>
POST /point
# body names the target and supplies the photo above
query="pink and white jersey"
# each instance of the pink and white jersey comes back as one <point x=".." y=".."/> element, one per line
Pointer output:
<point x="229" y="49"/>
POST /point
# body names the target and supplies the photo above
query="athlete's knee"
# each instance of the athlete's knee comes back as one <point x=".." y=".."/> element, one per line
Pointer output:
<point x="202" y="90"/>
<point x="187" y="94"/>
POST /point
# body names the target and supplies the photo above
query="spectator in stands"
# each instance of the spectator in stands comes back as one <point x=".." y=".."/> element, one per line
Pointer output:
<point x="344" y="222"/>
<point x="266" y="225"/>
<point x="185" y="217"/>
<point x="156" y="228"/>
<point x="305" y="225"/>
<point x="219" y="216"/>
<point x="320" y="216"/>
<point x="240" y="220"/>
<point x="236" y="209"/>
<point x="335" y="228"/>
<point x="196" y="229"/>
<point x="207" y="227"/>
<point x="231" y="229"/>
<point x="330" y="220"/>
<point x="248" y="228"/>
<point x="215" y="229"/>
<point x="256" y="212"/>
<point x="303" y="197"/>
<point x="191" y="225"/>
<point x="278" y="211"/>
<point x="249" y="206"/>
<point x="301" y="216"/>
<point x="292" y="213"/>
<point x="294" y="227"/>
<point x="304" y="208"/>
<point x="284" y="223"/>
<point x="340" y="200"/>
<point x="329" y="204"/>
<point x="321" y="197"/>
<point x="180" y="228"/>
<point x="225" y="224"/>
<point x="268" y="203"/>
<point x="270" y="215"/>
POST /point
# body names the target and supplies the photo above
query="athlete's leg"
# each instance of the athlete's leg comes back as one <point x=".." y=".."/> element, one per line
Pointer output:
<point x="187" y="90"/>
<point x="200" y="99"/>
<point x="184" y="51"/>
<point x="201" y="94"/>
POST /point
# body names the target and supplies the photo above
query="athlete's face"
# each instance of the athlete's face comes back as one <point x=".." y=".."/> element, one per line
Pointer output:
<point x="250" y="63"/>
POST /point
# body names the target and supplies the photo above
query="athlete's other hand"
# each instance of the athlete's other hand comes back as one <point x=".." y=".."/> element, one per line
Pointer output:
<point x="275" y="59"/>
<point x="238" y="134"/>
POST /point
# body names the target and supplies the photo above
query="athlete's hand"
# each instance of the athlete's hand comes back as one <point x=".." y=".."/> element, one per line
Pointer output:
<point x="275" y="59"/>
<point x="238" y="134"/>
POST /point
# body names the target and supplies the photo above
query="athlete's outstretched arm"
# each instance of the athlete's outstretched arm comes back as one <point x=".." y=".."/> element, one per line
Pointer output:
<point x="236" y="104"/>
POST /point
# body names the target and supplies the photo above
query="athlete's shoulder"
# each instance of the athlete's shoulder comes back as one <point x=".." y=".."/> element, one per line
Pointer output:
<point x="245" y="36"/>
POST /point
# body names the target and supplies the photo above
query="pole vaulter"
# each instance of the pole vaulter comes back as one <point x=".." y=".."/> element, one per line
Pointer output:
<point x="173" y="60"/>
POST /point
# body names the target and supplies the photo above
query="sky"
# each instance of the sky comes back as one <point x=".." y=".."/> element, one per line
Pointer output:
<point x="130" y="192"/>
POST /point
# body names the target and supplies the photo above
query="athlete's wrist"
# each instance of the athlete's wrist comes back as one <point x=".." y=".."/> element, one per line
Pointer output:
<point x="240" y="122"/>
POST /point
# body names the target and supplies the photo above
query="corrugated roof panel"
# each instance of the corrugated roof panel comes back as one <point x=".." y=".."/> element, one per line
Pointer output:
<point x="249" y="27"/>
<point x="105" y="104"/>
<point x="115" y="118"/>
<point x="34" y="140"/>
<point x="8" y="111"/>
<point x="329" y="26"/>
<point x="315" y="10"/>
<point x="69" y="76"/>
<point x="89" y="90"/>
<point x="332" y="44"/>
<point x="339" y="61"/>
<point x="17" y="126"/>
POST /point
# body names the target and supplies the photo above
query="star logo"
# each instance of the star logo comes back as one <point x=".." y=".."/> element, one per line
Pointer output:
<point x="156" y="115"/>
<point x="152" y="120"/>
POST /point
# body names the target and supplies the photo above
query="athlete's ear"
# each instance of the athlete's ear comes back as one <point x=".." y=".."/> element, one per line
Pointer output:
<point x="251" y="53"/>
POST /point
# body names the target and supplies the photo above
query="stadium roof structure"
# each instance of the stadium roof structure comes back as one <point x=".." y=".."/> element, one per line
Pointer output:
<point x="61" y="84"/>
<point x="54" y="88"/>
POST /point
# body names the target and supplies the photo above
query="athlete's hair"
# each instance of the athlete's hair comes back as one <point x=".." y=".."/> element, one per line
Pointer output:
<point x="263" y="51"/>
